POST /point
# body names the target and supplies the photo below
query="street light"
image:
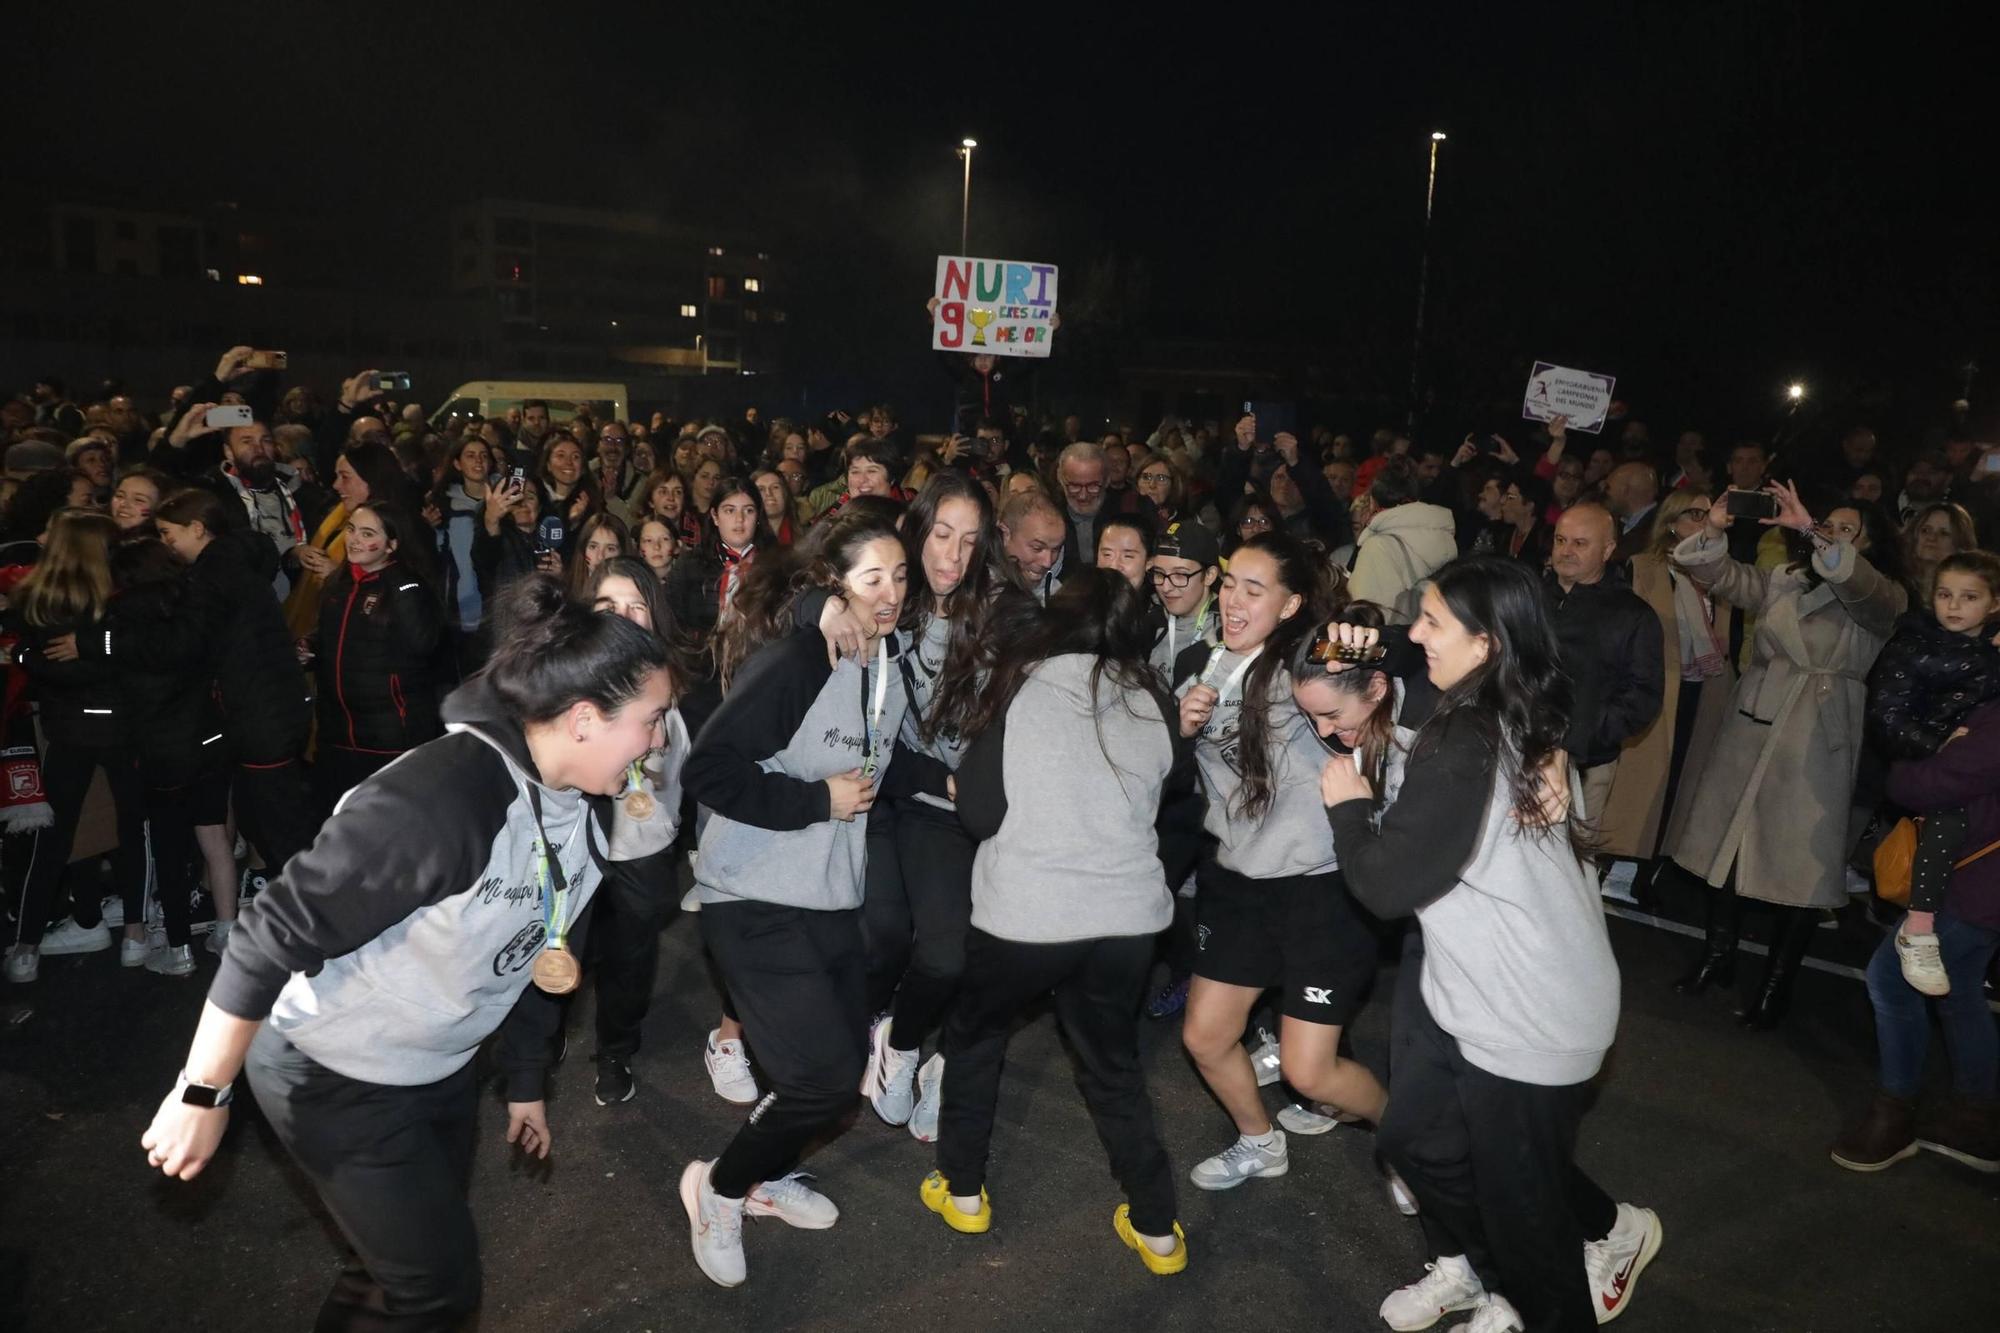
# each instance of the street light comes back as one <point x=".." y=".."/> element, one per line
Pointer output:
<point x="1423" y="276"/>
<point x="1796" y="392"/>
<point x="965" y="147"/>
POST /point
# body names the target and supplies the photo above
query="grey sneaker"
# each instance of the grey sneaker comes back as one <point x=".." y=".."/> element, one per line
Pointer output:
<point x="930" y="1098"/>
<point x="793" y="1202"/>
<point x="169" y="962"/>
<point x="890" y="1081"/>
<point x="1240" y="1161"/>
<point x="715" y="1227"/>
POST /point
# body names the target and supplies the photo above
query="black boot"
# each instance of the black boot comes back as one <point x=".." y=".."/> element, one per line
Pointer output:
<point x="1789" y="937"/>
<point x="1717" y="965"/>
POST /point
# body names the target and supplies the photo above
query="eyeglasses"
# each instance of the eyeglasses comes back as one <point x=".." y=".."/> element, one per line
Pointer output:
<point x="1084" y="487"/>
<point x="1154" y="479"/>
<point x="1258" y="522"/>
<point x="1699" y="513"/>
<point x="1173" y="578"/>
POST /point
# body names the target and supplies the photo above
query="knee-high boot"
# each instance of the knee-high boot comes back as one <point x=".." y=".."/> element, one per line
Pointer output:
<point x="1717" y="964"/>
<point x="1789" y="937"/>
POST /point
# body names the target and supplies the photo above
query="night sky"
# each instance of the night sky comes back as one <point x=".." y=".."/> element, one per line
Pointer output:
<point x="1706" y="199"/>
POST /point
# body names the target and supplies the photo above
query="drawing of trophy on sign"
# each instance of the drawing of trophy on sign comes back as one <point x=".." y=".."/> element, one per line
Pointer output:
<point x="980" y="319"/>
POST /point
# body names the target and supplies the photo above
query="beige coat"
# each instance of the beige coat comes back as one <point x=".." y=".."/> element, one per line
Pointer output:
<point x="1634" y="812"/>
<point x="1772" y="798"/>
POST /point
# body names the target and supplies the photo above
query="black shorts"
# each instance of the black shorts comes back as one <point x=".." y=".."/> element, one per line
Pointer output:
<point x="1301" y="933"/>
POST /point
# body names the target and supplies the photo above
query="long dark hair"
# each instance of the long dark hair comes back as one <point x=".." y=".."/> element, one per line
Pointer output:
<point x="1300" y="573"/>
<point x="387" y="482"/>
<point x="414" y="551"/>
<point x="552" y="652"/>
<point x="687" y="662"/>
<point x="761" y="537"/>
<point x="782" y="574"/>
<point x="1232" y="534"/>
<point x="1096" y="612"/>
<point x="1379" y="734"/>
<point x="965" y="607"/>
<point x="1518" y="699"/>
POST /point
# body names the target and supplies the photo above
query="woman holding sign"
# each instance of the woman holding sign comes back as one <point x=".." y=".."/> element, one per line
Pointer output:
<point x="358" y="987"/>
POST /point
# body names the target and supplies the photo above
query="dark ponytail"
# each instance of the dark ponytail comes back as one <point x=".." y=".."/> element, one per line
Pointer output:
<point x="552" y="653"/>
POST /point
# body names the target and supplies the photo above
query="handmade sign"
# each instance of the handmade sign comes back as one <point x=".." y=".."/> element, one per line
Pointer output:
<point x="1002" y="306"/>
<point x="1581" y="395"/>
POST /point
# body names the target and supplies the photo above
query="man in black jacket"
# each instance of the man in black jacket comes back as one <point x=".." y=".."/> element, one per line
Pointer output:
<point x="1610" y="643"/>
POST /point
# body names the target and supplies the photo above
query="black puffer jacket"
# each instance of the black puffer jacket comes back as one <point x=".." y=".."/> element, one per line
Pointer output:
<point x="372" y="659"/>
<point x="1926" y="682"/>
<point x="230" y="621"/>
<point x="177" y="729"/>
<point x="80" y="701"/>
<point x="1609" y="637"/>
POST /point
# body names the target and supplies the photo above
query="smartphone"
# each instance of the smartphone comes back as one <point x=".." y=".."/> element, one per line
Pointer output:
<point x="519" y="476"/>
<point x="1248" y="407"/>
<point x="392" y="381"/>
<point x="1751" y="504"/>
<point x="267" y="361"/>
<point x="227" y="415"/>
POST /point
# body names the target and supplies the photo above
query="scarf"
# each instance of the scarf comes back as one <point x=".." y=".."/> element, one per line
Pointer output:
<point x="733" y="564"/>
<point x="1702" y="653"/>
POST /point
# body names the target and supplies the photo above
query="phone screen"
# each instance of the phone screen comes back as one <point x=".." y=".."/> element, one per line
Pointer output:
<point x="1751" y="504"/>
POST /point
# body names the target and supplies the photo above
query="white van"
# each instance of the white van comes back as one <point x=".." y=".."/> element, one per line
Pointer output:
<point x="492" y="398"/>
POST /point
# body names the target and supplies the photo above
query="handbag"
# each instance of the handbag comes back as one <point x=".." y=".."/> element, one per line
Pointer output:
<point x="1898" y="852"/>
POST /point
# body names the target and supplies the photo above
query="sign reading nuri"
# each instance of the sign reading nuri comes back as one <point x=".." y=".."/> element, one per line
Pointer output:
<point x="1005" y="307"/>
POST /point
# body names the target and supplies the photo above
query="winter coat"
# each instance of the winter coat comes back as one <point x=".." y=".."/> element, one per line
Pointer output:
<point x="1925" y="684"/>
<point x="372" y="660"/>
<point x="1771" y="800"/>
<point x="1398" y="550"/>
<point x="1635" y="811"/>
<point x="498" y="560"/>
<point x="177" y="734"/>
<point x="1964" y="775"/>
<point x="80" y="701"/>
<point x="1609" y="639"/>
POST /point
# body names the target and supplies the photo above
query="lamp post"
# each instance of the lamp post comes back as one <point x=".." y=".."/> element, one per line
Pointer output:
<point x="1423" y="277"/>
<point x="965" y="147"/>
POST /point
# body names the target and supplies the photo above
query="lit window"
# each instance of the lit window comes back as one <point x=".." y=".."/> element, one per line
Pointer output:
<point x="715" y="250"/>
<point x="718" y="287"/>
<point x="688" y="312"/>
<point x="249" y="280"/>
<point x="753" y="285"/>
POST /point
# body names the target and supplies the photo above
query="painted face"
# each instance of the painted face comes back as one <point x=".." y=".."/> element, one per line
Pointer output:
<point x="619" y="596"/>
<point x="348" y="485"/>
<point x="133" y="502"/>
<point x="1964" y="602"/>
<point x="949" y="545"/>
<point x="1121" y="548"/>
<point x="1452" y="651"/>
<point x="736" y="520"/>
<point x="656" y="546"/>
<point x="1182" y="584"/>
<point x="1254" y="601"/>
<point x="368" y="546"/>
<point x="1337" y="713"/>
<point x="876" y="583"/>
<point x="603" y="544"/>
<point x="1033" y="544"/>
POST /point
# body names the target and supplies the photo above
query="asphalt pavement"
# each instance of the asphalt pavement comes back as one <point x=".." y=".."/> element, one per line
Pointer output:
<point x="1724" y="1133"/>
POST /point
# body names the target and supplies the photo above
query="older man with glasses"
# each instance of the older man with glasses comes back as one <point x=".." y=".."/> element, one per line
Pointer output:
<point x="1080" y="472"/>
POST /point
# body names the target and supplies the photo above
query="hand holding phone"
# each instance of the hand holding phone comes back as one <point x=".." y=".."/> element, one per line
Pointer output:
<point x="392" y="381"/>
<point x="228" y="414"/>
<point x="1750" y="504"/>
<point x="267" y="361"/>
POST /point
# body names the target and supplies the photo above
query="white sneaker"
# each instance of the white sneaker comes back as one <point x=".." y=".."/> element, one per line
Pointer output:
<point x="1619" y="882"/>
<point x="1240" y="1161"/>
<point x="1264" y="1059"/>
<point x="691" y="900"/>
<point x="134" y="953"/>
<point x="1494" y="1315"/>
<point x="889" y="1080"/>
<point x="218" y="937"/>
<point x="1447" y="1286"/>
<point x="729" y="1070"/>
<point x="1923" y="965"/>
<point x="24" y="963"/>
<point x="113" y="911"/>
<point x="792" y="1202"/>
<point x="172" y="962"/>
<point x="1315" y="1119"/>
<point x="715" y="1227"/>
<point x="1857" y="884"/>
<point x="1401" y="1194"/>
<point x="1613" y="1264"/>
<point x="930" y="1099"/>
<point x="68" y="937"/>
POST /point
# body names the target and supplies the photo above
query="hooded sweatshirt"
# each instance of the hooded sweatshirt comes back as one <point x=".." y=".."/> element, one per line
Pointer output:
<point x="404" y="936"/>
<point x="759" y="771"/>
<point x="1291" y="838"/>
<point x="1178" y="632"/>
<point x="1398" y="550"/>
<point x="1063" y="788"/>
<point x="922" y="664"/>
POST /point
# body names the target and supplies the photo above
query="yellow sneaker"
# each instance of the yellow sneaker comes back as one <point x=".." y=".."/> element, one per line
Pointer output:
<point x="937" y="1197"/>
<point x="1121" y="1222"/>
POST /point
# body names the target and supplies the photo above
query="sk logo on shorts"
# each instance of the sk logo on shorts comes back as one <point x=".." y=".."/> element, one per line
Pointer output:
<point x="1316" y="995"/>
<point x="1201" y="938"/>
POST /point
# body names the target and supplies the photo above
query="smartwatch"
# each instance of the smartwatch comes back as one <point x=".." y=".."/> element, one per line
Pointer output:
<point x="205" y="1095"/>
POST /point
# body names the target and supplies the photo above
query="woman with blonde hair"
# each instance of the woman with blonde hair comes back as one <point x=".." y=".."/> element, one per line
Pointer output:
<point x="1934" y="532"/>
<point x="66" y="596"/>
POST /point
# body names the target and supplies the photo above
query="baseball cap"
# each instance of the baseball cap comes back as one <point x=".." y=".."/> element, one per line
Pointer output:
<point x="1187" y="539"/>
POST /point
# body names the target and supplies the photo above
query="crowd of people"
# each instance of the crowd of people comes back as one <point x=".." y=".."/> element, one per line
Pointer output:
<point x="1189" y="722"/>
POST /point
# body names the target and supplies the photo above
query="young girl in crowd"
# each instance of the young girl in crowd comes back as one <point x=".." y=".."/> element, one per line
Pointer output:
<point x="1272" y="909"/>
<point x="1500" y="1028"/>
<point x="363" y="981"/>
<point x="787" y="768"/>
<point x="656" y="548"/>
<point x="567" y="490"/>
<point x="666" y="500"/>
<point x="59" y="612"/>
<point x="460" y="500"/>
<point x="704" y="580"/>
<point x="378" y="624"/>
<point x="136" y="496"/>
<point x="1930" y="676"/>
<point x="601" y="537"/>
<point x="1076" y="741"/>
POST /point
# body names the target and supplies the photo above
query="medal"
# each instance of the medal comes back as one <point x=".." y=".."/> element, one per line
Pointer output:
<point x="872" y="716"/>
<point x="556" y="970"/>
<point x="639" y="803"/>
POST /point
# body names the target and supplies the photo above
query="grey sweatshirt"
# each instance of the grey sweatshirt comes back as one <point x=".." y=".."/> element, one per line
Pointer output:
<point x="922" y="664"/>
<point x="1063" y="790"/>
<point x="1180" y="631"/>
<point x="760" y="765"/>
<point x="1292" y="838"/>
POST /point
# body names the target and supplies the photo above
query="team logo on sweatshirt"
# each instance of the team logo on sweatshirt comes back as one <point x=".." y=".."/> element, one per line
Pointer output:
<point x="520" y="950"/>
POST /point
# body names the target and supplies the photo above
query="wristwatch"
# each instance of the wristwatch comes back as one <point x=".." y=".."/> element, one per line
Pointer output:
<point x="205" y="1095"/>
